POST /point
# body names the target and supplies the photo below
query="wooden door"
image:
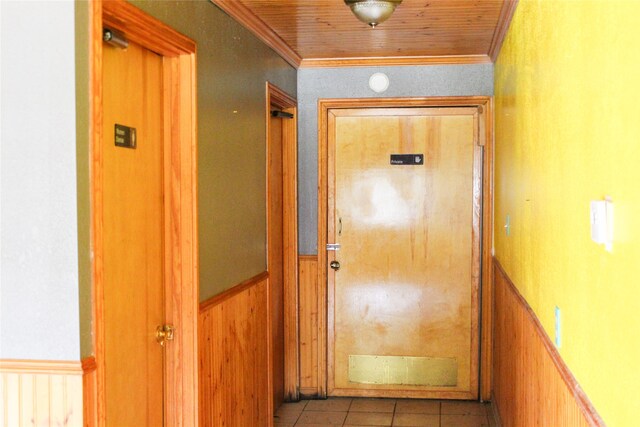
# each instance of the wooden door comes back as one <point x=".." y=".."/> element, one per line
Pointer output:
<point x="275" y="256"/>
<point x="133" y="237"/>
<point x="403" y="305"/>
<point x="282" y="245"/>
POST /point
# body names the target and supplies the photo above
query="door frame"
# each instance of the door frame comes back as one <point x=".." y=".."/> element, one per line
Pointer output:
<point x="485" y="138"/>
<point x="276" y="97"/>
<point x="180" y="206"/>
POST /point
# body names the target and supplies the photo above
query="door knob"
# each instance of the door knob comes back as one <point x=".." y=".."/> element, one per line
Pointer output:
<point x="164" y="333"/>
<point x="335" y="265"/>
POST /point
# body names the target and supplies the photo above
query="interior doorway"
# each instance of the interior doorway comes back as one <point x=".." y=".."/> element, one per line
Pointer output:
<point x="356" y="371"/>
<point x="282" y="245"/>
<point x="144" y="221"/>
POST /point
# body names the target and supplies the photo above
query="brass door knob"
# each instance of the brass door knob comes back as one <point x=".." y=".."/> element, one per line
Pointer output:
<point x="164" y="333"/>
<point x="335" y="265"/>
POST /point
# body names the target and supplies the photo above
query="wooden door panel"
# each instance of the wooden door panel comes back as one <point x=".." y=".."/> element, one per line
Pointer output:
<point x="133" y="237"/>
<point x="405" y="295"/>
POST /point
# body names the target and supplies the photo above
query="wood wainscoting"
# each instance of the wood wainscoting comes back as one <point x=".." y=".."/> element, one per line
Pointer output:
<point x="233" y="342"/>
<point x="40" y="393"/>
<point x="532" y="384"/>
<point x="310" y="368"/>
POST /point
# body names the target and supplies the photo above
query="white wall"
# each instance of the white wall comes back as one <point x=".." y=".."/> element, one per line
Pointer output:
<point x="38" y="243"/>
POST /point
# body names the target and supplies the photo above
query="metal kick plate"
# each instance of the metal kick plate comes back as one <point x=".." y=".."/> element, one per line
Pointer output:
<point x="403" y="370"/>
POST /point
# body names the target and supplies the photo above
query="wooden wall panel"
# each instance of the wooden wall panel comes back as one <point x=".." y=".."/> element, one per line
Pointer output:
<point x="308" y="288"/>
<point x="532" y="385"/>
<point x="40" y="393"/>
<point x="232" y="334"/>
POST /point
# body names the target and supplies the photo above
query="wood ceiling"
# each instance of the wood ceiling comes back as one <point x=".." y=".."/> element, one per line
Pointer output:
<point x="324" y="33"/>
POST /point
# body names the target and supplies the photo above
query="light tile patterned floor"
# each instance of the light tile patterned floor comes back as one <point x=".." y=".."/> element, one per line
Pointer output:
<point x="384" y="412"/>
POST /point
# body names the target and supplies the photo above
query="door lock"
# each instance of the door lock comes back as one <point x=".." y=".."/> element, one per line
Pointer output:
<point x="335" y="265"/>
<point x="164" y="333"/>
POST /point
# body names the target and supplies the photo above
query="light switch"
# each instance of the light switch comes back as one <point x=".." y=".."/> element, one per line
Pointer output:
<point x="602" y="222"/>
<point x="507" y="225"/>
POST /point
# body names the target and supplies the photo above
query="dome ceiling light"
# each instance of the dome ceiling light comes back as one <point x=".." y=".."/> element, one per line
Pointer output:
<point x="372" y="12"/>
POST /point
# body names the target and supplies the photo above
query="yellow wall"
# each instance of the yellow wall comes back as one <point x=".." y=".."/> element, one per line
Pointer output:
<point x="567" y="87"/>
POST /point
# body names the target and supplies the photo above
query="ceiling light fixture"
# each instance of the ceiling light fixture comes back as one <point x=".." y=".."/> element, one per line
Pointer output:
<point x="379" y="82"/>
<point x="372" y="12"/>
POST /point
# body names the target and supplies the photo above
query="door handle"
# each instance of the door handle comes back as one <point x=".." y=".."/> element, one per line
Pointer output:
<point x="164" y="333"/>
<point x="335" y="265"/>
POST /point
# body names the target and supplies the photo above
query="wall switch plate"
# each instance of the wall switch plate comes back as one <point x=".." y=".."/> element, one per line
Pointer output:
<point x="507" y="225"/>
<point x="558" y="330"/>
<point x="601" y="216"/>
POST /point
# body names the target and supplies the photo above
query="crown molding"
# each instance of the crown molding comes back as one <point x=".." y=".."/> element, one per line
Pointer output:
<point x="250" y="21"/>
<point x="506" y="14"/>
<point x="395" y="61"/>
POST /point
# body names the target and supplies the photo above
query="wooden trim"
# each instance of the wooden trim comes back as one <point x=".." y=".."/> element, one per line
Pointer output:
<point x="506" y="14"/>
<point x="145" y="30"/>
<point x="97" y="212"/>
<point x="323" y="202"/>
<point x="291" y="294"/>
<point x="250" y="21"/>
<point x="326" y="285"/>
<point x="437" y="101"/>
<point x="277" y="98"/>
<point x="485" y="109"/>
<point x="395" y="61"/>
<point x="89" y="401"/>
<point x="52" y="367"/>
<point x="231" y="292"/>
<point x="535" y="377"/>
<point x="88" y="364"/>
<point x="487" y="296"/>
<point x="181" y="238"/>
<point x="430" y="111"/>
<point x="476" y="255"/>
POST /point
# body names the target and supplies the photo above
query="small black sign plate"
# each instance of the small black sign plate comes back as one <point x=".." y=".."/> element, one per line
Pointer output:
<point x="407" y="159"/>
<point x="125" y="136"/>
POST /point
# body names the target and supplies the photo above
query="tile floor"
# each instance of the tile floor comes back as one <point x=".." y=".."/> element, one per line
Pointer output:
<point x="384" y="412"/>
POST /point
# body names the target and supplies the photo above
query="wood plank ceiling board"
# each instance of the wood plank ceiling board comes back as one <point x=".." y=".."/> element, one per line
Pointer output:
<point x="320" y="33"/>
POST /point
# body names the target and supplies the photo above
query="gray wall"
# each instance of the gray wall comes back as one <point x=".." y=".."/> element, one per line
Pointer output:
<point x="45" y="295"/>
<point x="318" y="83"/>
<point x="39" y="255"/>
<point x="233" y="67"/>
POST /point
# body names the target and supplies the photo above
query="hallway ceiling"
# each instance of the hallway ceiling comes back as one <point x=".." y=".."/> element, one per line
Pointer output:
<point x="311" y="33"/>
